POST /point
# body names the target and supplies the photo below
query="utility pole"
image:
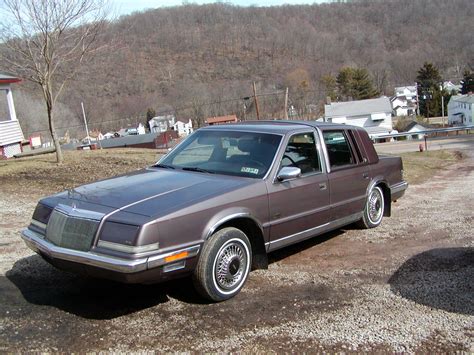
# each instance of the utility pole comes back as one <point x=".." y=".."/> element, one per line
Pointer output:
<point x="442" y="108"/>
<point x="85" y="122"/>
<point x="256" y="100"/>
<point x="417" y="100"/>
<point x="286" y="104"/>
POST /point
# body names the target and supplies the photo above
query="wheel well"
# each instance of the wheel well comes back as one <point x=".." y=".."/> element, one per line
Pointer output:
<point x="387" y="199"/>
<point x="254" y="233"/>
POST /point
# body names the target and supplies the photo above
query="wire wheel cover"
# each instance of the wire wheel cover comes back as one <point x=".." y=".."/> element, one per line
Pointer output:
<point x="231" y="265"/>
<point x="375" y="206"/>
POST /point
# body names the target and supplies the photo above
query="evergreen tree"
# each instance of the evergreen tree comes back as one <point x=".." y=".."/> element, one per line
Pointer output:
<point x="362" y="87"/>
<point x="344" y="82"/>
<point x="467" y="82"/>
<point x="429" y="92"/>
<point x="355" y="84"/>
<point x="330" y="86"/>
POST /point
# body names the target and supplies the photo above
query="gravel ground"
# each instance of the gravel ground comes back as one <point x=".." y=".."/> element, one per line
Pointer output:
<point x="406" y="286"/>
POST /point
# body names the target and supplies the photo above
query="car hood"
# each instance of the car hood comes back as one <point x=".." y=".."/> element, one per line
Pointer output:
<point x="133" y="192"/>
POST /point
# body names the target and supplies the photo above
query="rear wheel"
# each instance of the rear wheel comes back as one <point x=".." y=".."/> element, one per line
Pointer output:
<point x="224" y="265"/>
<point x="374" y="209"/>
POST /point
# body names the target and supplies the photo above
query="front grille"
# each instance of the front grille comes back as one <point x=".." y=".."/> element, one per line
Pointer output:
<point x="71" y="232"/>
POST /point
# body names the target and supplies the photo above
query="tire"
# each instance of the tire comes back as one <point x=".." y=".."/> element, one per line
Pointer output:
<point x="373" y="210"/>
<point x="223" y="265"/>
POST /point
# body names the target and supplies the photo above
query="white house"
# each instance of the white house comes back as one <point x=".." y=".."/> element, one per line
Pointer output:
<point x="375" y="115"/>
<point x="11" y="134"/>
<point x="183" y="127"/>
<point x="450" y="87"/>
<point x="405" y="101"/>
<point x="402" y="106"/>
<point x="408" y="91"/>
<point x="161" y="124"/>
<point x="461" y="110"/>
<point x="415" y="127"/>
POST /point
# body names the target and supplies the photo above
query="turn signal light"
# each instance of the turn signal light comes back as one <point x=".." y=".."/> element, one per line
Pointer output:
<point x="175" y="257"/>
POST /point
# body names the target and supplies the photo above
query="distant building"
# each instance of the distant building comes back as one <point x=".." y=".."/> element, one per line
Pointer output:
<point x="414" y="127"/>
<point x="408" y="91"/>
<point x="160" y="124"/>
<point x="141" y="129"/>
<point x="11" y="134"/>
<point x="450" y="87"/>
<point x="375" y="115"/>
<point x="461" y="110"/>
<point x="221" y="120"/>
<point x="404" y="102"/>
<point x="402" y="106"/>
<point x="183" y="127"/>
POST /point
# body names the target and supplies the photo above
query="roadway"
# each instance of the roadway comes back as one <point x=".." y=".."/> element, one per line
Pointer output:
<point x="460" y="142"/>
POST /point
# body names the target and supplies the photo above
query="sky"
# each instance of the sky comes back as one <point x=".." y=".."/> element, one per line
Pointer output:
<point x="124" y="7"/>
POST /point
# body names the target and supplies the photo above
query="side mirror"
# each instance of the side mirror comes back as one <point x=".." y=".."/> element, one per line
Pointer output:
<point x="288" y="173"/>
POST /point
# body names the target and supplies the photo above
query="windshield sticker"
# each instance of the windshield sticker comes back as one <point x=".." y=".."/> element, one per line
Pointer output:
<point x="249" y="170"/>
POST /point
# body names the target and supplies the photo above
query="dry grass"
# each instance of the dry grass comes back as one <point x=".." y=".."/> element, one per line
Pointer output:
<point x="41" y="173"/>
<point x="420" y="167"/>
<point x="42" y="176"/>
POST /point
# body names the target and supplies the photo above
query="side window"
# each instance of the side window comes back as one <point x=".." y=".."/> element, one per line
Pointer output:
<point x="301" y="152"/>
<point x="338" y="148"/>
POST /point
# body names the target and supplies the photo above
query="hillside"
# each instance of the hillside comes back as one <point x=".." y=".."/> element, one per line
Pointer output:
<point x="183" y="57"/>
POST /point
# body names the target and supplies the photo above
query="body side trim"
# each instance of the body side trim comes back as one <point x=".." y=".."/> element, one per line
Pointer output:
<point x="312" y="232"/>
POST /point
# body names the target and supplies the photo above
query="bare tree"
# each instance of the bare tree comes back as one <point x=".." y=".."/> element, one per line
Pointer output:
<point x="45" y="41"/>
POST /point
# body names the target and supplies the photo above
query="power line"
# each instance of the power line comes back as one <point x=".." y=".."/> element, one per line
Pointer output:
<point x="244" y="98"/>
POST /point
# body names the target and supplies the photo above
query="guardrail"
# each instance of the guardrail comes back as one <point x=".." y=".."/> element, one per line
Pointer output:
<point x="426" y="132"/>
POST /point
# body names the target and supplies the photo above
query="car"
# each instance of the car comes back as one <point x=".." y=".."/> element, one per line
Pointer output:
<point x="218" y="203"/>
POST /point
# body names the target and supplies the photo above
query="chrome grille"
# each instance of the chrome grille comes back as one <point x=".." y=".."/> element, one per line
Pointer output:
<point x="71" y="232"/>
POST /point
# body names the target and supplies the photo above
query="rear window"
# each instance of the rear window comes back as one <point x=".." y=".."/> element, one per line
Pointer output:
<point x="338" y="147"/>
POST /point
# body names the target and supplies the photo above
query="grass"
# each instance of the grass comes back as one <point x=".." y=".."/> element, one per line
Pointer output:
<point x="41" y="176"/>
<point x="41" y="173"/>
<point x="420" y="167"/>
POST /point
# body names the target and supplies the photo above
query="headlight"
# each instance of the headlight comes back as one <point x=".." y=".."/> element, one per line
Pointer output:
<point x="122" y="237"/>
<point x="41" y="216"/>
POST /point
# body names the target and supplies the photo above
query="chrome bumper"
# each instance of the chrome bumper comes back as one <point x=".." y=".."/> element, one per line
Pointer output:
<point x="38" y="244"/>
<point x="400" y="187"/>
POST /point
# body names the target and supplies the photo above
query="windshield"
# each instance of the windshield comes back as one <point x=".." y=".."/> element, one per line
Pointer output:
<point x="244" y="154"/>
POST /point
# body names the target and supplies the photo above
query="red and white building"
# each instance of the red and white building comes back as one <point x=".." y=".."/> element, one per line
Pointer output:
<point x="11" y="134"/>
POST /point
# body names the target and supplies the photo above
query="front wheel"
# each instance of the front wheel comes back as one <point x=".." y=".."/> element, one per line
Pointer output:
<point x="374" y="209"/>
<point x="223" y="265"/>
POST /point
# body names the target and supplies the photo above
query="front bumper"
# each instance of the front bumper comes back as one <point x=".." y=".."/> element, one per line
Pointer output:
<point x="104" y="265"/>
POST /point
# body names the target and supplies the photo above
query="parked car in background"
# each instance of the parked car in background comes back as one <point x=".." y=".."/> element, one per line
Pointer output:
<point x="216" y="204"/>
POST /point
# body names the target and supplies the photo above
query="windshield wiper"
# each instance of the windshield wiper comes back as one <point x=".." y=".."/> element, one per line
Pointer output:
<point x="200" y="170"/>
<point x="163" y="166"/>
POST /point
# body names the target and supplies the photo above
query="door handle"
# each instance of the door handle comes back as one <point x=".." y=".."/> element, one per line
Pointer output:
<point x="365" y="175"/>
<point x="323" y="186"/>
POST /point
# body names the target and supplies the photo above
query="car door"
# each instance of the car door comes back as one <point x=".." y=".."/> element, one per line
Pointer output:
<point x="349" y="176"/>
<point x="299" y="206"/>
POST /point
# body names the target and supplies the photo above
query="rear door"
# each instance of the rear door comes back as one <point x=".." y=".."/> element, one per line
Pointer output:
<point x="349" y="175"/>
<point x="298" y="207"/>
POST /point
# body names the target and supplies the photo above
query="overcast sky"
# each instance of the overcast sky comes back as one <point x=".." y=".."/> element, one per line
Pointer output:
<point x="123" y="7"/>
